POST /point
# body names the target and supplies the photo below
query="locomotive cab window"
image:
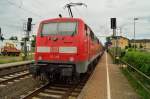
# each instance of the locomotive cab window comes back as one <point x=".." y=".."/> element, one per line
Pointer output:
<point x="92" y="35"/>
<point x="59" y="28"/>
<point x="87" y="30"/>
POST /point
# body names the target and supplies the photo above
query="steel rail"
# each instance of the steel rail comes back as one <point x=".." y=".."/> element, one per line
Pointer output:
<point x="13" y="78"/>
<point x="66" y="89"/>
<point x="35" y="92"/>
<point x="66" y="92"/>
<point x="11" y="73"/>
<point x="11" y="68"/>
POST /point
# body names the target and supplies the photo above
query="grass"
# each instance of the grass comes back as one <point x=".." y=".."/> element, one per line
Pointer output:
<point x="10" y="59"/>
<point x="140" y="60"/>
<point x="3" y="61"/>
<point x="136" y="84"/>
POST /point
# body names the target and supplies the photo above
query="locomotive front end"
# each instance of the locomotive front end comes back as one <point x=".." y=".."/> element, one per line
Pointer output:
<point x="56" y="48"/>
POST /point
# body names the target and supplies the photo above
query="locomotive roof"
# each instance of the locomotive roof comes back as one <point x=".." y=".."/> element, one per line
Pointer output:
<point x="62" y="19"/>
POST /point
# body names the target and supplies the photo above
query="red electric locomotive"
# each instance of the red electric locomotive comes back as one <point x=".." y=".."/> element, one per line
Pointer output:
<point x="64" y="47"/>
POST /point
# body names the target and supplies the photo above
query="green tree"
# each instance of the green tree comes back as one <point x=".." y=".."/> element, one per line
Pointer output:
<point x="2" y="38"/>
<point x="126" y="47"/>
<point x="135" y="46"/>
<point x="13" y="38"/>
<point x="108" y="39"/>
<point x="129" y="45"/>
<point x="33" y="41"/>
<point x="141" y="46"/>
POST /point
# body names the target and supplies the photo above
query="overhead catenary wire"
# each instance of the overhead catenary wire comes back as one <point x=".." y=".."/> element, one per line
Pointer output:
<point x="15" y="24"/>
<point x="29" y="11"/>
<point x="11" y="26"/>
<point x="21" y="7"/>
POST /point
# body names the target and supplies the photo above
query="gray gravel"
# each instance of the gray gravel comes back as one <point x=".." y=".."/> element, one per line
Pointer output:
<point x="16" y="89"/>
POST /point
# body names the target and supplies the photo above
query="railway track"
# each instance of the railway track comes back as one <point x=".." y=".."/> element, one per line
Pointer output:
<point x="10" y="68"/>
<point x="12" y="72"/>
<point x="13" y="77"/>
<point x="47" y="91"/>
<point x="58" y="90"/>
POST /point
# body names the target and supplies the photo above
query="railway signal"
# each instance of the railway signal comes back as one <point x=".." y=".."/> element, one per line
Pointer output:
<point x="29" y="25"/>
<point x="113" y="26"/>
<point x="115" y="37"/>
<point x="1" y="36"/>
<point x="28" y="29"/>
<point x="113" y="23"/>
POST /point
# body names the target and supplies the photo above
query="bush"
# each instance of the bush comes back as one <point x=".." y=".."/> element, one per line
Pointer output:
<point x="140" y="60"/>
<point x="115" y="50"/>
<point x="130" y="49"/>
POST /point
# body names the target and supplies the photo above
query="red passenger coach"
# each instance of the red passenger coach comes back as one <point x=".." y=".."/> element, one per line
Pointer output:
<point x="64" y="47"/>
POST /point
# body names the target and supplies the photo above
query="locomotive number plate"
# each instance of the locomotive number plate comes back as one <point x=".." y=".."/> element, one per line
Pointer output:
<point x="54" y="49"/>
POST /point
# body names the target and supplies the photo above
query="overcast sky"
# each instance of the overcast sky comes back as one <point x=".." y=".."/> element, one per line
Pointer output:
<point x="13" y="13"/>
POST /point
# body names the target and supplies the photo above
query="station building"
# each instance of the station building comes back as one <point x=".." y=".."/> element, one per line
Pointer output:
<point x="122" y="42"/>
<point x="141" y="43"/>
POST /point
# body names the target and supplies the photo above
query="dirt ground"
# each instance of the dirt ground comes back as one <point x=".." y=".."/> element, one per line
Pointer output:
<point x="13" y="90"/>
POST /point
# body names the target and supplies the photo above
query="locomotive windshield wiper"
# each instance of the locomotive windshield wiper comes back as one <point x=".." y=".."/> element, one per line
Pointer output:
<point x="74" y="31"/>
<point x="41" y="34"/>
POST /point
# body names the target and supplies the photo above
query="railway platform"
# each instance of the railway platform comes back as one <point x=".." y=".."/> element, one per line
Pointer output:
<point x="7" y="65"/>
<point x="107" y="82"/>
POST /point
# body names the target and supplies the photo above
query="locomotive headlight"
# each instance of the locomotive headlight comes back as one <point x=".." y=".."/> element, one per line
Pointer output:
<point x="68" y="49"/>
<point x="40" y="58"/>
<point x="71" y="59"/>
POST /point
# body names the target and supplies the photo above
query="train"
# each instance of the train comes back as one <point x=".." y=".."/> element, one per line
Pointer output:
<point x="65" y="47"/>
<point x="10" y="49"/>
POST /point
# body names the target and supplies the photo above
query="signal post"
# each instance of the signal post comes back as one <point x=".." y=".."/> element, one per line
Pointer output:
<point x="28" y="29"/>
<point x="115" y="37"/>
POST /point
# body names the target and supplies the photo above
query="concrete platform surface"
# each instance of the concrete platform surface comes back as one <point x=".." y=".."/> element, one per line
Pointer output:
<point x="107" y="82"/>
<point x="7" y="65"/>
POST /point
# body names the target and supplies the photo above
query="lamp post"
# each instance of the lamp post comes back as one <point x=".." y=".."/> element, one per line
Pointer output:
<point x="134" y="33"/>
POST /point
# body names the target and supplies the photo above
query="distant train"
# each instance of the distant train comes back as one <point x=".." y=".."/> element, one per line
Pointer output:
<point x="9" y="49"/>
<point x="65" y="47"/>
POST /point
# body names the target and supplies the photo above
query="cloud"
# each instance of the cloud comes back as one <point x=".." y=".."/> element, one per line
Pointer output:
<point x="97" y="14"/>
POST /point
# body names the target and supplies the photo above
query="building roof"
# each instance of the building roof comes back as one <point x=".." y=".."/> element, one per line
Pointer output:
<point x="140" y="40"/>
<point x="121" y="37"/>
